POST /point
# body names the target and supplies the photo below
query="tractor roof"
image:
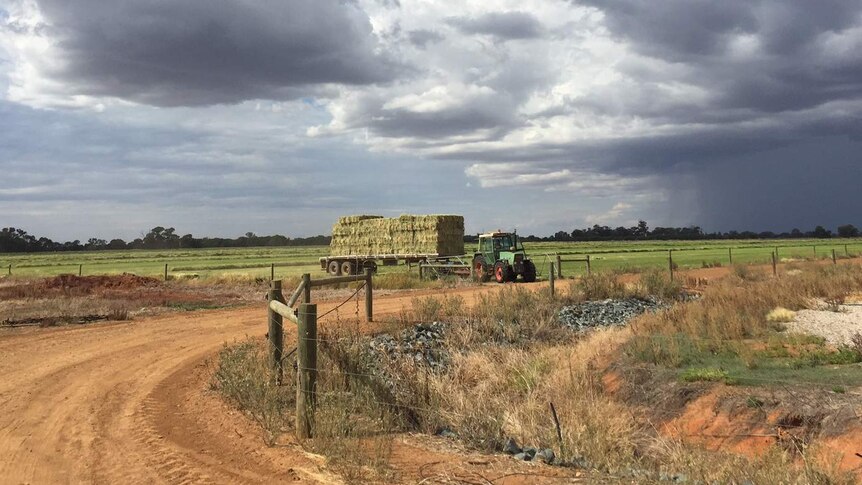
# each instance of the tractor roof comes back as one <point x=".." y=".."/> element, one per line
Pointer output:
<point x="496" y="233"/>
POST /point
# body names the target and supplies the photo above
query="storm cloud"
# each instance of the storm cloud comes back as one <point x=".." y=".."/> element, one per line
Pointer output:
<point x="206" y="52"/>
<point x="727" y="114"/>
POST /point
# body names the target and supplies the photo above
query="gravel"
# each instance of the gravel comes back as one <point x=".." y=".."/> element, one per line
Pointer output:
<point x="837" y="328"/>
<point x="603" y="313"/>
<point x="423" y="343"/>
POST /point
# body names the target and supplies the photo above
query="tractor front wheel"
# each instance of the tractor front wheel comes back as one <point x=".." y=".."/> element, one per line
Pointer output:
<point x="501" y="272"/>
<point x="480" y="269"/>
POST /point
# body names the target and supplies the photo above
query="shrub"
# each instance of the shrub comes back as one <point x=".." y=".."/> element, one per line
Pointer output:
<point x="707" y="374"/>
<point x="600" y="286"/>
<point x="780" y="315"/>
<point x="657" y="283"/>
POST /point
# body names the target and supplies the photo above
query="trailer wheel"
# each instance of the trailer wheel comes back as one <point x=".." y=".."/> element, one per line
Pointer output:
<point x="480" y="269"/>
<point x="334" y="267"/>
<point x="348" y="268"/>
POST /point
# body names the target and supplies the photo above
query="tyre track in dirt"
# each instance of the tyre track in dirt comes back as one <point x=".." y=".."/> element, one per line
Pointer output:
<point x="121" y="402"/>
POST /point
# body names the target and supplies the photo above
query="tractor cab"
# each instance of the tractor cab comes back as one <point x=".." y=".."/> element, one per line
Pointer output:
<point x="501" y="255"/>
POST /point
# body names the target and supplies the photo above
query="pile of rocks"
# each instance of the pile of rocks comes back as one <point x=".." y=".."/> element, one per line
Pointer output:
<point x="422" y="343"/>
<point x="529" y="453"/>
<point x="603" y="313"/>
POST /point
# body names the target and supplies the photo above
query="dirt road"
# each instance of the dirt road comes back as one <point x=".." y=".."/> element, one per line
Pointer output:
<point x="124" y="402"/>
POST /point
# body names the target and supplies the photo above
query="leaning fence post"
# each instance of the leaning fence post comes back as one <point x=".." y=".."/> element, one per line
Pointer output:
<point x="276" y="330"/>
<point x="670" y="262"/>
<point x="559" y="266"/>
<point x="306" y="374"/>
<point x="774" y="266"/>
<point x="551" y="280"/>
<point x="369" y="297"/>
<point x="589" y="271"/>
<point x="306" y="288"/>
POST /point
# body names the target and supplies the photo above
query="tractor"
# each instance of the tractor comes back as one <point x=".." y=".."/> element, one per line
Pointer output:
<point x="501" y="255"/>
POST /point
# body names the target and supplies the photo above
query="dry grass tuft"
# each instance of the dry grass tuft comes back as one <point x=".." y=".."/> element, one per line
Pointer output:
<point x="780" y="315"/>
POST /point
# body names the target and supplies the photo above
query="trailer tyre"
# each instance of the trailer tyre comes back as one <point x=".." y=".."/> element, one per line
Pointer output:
<point x="334" y="267"/>
<point x="529" y="274"/>
<point x="348" y="268"/>
<point x="480" y="269"/>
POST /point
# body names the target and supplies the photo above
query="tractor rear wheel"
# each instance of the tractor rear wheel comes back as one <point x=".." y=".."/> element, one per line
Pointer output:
<point x="529" y="273"/>
<point x="501" y="272"/>
<point x="480" y="269"/>
<point x="334" y="267"/>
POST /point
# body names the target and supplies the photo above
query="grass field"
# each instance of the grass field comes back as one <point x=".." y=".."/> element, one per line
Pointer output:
<point x="292" y="261"/>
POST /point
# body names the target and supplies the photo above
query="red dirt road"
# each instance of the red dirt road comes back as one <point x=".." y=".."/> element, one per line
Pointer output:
<point x="127" y="403"/>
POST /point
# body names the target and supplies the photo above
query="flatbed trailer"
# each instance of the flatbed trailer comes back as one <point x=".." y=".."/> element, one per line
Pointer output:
<point x="350" y="264"/>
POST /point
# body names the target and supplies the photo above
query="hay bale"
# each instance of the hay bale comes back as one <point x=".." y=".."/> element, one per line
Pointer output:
<point x="407" y="234"/>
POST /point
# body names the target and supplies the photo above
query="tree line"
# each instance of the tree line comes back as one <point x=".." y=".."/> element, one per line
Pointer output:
<point x="14" y="240"/>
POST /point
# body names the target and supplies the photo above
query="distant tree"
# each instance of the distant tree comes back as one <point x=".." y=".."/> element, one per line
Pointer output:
<point x="821" y="232"/>
<point x="796" y="233"/>
<point x="642" y="230"/>
<point x="117" y="244"/>
<point x="848" y="230"/>
<point x="96" y="244"/>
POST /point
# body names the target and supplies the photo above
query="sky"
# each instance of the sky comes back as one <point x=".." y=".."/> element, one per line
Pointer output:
<point x="220" y="117"/>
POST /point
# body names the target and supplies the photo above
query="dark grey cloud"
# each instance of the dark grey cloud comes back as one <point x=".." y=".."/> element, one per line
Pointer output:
<point x="502" y="25"/>
<point x="798" y="56"/>
<point x="212" y="51"/>
<point x="422" y="37"/>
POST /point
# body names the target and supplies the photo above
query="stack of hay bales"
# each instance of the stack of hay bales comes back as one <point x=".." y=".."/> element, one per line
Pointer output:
<point x="408" y="234"/>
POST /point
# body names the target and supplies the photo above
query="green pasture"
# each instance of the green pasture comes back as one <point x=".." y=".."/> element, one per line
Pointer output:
<point x="292" y="261"/>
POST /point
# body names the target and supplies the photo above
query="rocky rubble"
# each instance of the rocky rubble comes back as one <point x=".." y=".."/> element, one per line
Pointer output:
<point x="603" y="313"/>
<point x="423" y="343"/>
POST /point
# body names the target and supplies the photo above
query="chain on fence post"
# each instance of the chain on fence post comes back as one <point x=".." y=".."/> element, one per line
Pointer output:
<point x="369" y="297"/>
<point x="276" y="331"/>
<point x="306" y="374"/>
<point x="551" y="280"/>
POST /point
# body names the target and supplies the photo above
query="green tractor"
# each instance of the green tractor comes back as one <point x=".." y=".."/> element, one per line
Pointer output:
<point x="502" y="256"/>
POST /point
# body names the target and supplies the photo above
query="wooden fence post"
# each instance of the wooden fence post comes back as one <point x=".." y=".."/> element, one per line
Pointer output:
<point x="670" y="262"/>
<point x="272" y="272"/>
<point x="369" y="297"/>
<point x="166" y="271"/>
<point x="276" y="330"/>
<point x="730" y="255"/>
<point x="846" y="252"/>
<point x="834" y="260"/>
<point x="774" y="266"/>
<point x="80" y="269"/>
<point x="589" y="271"/>
<point x="559" y="266"/>
<point x="10" y="269"/>
<point x="776" y="252"/>
<point x="306" y="374"/>
<point x="551" y="280"/>
<point x="815" y="251"/>
<point x="306" y="288"/>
